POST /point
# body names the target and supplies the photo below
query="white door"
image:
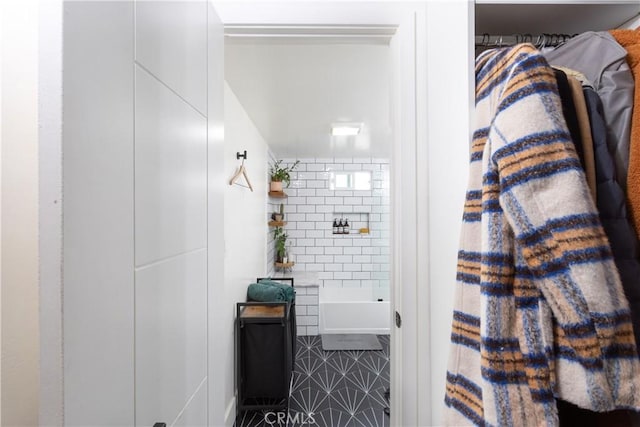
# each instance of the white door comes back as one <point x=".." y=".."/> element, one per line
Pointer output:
<point x="142" y="104"/>
<point x="175" y="107"/>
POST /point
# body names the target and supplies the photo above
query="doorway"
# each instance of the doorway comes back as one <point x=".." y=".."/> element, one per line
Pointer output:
<point x="297" y="88"/>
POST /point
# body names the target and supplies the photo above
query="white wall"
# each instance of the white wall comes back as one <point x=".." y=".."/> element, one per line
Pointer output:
<point x="50" y="105"/>
<point x="244" y="225"/>
<point x="19" y="157"/>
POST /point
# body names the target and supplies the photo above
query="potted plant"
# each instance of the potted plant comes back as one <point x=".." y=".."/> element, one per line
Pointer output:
<point x="280" y="238"/>
<point x="281" y="175"/>
<point x="279" y="216"/>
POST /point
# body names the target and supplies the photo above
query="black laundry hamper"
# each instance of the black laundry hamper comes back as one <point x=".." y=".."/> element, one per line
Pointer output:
<point x="265" y="354"/>
<point x="294" y="328"/>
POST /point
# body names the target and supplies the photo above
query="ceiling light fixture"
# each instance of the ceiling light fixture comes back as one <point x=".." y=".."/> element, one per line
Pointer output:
<point x="345" y="129"/>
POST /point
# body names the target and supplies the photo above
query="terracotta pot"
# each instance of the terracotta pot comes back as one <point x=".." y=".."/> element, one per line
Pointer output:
<point x="278" y="217"/>
<point x="276" y="186"/>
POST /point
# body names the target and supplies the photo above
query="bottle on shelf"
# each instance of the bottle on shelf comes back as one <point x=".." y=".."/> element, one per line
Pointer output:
<point x="346" y="226"/>
<point x="289" y="253"/>
<point x="340" y="227"/>
<point x="335" y="226"/>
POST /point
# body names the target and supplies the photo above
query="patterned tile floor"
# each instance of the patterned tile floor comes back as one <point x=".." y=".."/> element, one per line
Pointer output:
<point x="333" y="388"/>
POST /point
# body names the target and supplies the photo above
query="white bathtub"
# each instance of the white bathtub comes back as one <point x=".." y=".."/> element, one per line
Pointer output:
<point x="353" y="311"/>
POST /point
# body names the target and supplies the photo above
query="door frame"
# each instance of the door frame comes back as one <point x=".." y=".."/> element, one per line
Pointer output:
<point x="410" y="344"/>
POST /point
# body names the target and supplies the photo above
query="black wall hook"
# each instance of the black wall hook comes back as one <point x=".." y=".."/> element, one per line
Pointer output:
<point x="241" y="156"/>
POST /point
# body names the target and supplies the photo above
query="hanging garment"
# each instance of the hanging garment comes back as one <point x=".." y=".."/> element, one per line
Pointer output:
<point x="570" y="72"/>
<point x="569" y="112"/>
<point x="576" y="80"/>
<point x="539" y="311"/>
<point x="624" y="245"/>
<point x="630" y="40"/>
<point x="612" y="206"/>
<point x="571" y="416"/>
<point x="584" y="123"/>
<point x="602" y="60"/>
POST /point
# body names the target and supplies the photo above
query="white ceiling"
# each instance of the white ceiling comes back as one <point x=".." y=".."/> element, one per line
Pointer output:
<point x="294" y="89"/>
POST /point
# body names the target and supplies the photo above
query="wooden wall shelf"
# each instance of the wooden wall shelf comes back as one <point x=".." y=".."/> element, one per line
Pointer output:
<point x="277" y="223"/>
<point x="278" y="194"/>
<point x="284" y="264"/>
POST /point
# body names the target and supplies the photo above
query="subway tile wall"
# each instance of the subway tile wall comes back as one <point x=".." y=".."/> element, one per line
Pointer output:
<point x="307" y="310"/>
<point x="352" y="260"/>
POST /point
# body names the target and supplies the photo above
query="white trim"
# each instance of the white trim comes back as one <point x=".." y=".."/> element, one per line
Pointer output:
<point x="218" y="406"/>
<point x="295" y="30"/>
<point x="397" y="342"/>
<point x="450" y="83"/>
<point x="409" y="341"/>
<point x="423" y="290"/>
<point x="346" y="34"/>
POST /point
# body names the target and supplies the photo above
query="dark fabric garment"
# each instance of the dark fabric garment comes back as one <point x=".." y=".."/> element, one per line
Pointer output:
<point x="570" y="415"/>
<point x="569" y="112"/>
<point x="612" y="206"/>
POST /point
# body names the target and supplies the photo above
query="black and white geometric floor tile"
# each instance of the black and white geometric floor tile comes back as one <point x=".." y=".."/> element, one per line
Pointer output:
<point x="333" y="388"/>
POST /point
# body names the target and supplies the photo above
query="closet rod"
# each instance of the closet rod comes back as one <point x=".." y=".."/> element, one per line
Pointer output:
<point x="539" y="40"/>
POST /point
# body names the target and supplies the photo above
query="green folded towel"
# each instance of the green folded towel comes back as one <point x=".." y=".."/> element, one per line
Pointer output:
<point x="289" y="291"/>
<point x="265" y="293"/>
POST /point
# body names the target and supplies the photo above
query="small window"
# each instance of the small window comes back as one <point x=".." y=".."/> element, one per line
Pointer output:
<point x="360" y="180"/>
